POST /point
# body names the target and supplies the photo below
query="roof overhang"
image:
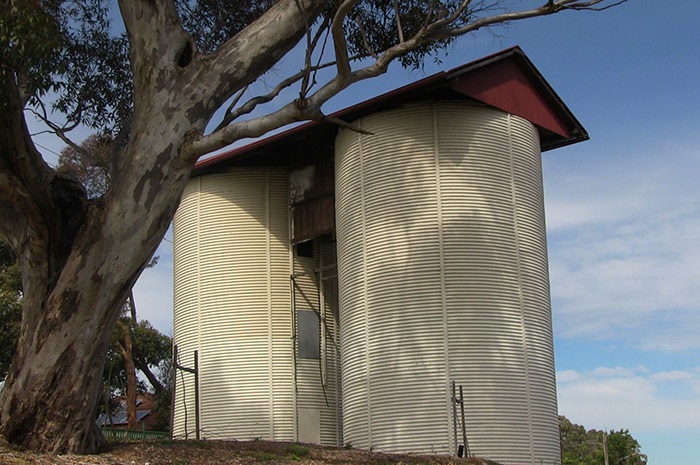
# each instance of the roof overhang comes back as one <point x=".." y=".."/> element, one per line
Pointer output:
<point x="507" y="80"/>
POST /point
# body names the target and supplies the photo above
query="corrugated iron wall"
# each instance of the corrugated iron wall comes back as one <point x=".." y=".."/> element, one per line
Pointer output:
<point x="443" y="277"/>
<point x="186" y="273"/>
<point x="232" y="291"/>
<point x="317" y="379"/>
<point x="333" y="422"/>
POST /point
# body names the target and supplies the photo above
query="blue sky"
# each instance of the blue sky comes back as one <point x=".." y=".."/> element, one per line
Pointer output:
<point x="623" y="214"/>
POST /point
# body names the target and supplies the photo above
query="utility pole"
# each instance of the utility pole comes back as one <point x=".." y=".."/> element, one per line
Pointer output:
<point x="605" y="447"/>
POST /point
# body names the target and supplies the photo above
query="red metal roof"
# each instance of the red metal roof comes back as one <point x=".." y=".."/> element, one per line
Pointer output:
<point x="506" y="87"/>
<point x="506" y="80"/>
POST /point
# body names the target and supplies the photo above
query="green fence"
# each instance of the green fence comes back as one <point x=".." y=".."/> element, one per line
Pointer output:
<point x="131" y="435"/>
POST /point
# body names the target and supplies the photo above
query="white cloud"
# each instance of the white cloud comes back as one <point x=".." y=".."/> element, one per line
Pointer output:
<point x="624" y="247"/>
<point x="631" y="398"/>
<point x="673" y="375"/>
<point x="566" y="376"/>
<point x="616" y="372"/>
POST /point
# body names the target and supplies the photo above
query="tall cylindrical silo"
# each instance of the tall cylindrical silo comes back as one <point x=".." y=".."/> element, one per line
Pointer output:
<point x="231" y="280"/>
<point x="443" y="277"/>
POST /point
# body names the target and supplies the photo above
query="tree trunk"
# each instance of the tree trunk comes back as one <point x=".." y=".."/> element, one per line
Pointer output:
<point x="79" y="261"/>
<point x="126" y="351"/>
<point x="132" y="422"/>
<point x="61" y="371"/>
<point x="51" y="394"/>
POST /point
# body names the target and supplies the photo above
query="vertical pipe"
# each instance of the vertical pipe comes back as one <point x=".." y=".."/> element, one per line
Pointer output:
<point x="454" y="416"/>
<point x="323" y="360"/>
<point x="196" y="392"/>
<point x="172" y="394"/>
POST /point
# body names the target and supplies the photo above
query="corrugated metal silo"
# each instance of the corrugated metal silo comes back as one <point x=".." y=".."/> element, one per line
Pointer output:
<point x="443" y="277"/>
<point x="231" y="273"/>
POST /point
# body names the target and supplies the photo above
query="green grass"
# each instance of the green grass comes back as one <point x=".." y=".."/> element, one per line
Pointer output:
<point x="297" y="452"/>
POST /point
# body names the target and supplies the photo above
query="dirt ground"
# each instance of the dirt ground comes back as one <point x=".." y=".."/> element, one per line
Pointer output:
<point x="225" y="453"/>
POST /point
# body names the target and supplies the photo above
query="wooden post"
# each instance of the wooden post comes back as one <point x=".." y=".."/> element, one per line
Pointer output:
<point x="464" y="423"/>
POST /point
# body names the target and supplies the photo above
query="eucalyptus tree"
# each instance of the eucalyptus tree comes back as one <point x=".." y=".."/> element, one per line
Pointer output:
<point x="589" y="447"/>
<point x="155" y="88"/>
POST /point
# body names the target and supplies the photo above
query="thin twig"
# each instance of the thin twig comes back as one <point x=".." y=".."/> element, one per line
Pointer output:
<point x="397" y="14"/>
<point x="254" y="102"/>
<point x="370" y="51"/>
<point x="236" y="99"/>
<point x="307" y="58"/>
<point x="61" y="132"/>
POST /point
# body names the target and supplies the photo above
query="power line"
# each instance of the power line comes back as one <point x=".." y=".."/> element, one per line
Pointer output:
<point x="47" y="149"/>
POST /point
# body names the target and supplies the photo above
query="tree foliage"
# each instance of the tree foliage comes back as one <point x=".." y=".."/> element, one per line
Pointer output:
<point x="89" y="163"/>
<point x="213" y="22"/>
<point x="68" y="48"/>
<point x="139" y="346"/>
<point x="31" y="40"/>
<point x="152" y="352"/>
<point x="586" y="447"/>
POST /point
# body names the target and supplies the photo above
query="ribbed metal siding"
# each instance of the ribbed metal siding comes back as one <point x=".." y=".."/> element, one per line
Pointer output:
<point x="186" y="301"/>
<point x="235" y="291"/>
<point x="332" y="421"/>
<point x="392" y="325"/>
<point x="317" y="379"/>
<point x="443" y="276"/>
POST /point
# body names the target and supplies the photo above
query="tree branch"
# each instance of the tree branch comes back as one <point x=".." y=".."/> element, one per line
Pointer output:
<point x="397" y="13"/>
<point x="365" y="41"/>
<point x="25" y="181"/>
<point x="340" y="45"/>
<point x="344" y="124"/>
<point x="439" y="30"/>
<point x="588" y="5"/>
<point x="345" y="76"/>
<point x="231" y="108"/>
<point x="150" y="23"/>
<point x="61" y="134"/>
<point x="307" y="57"/>
<point x="253" y="51"/>
<point x="152" y="378"/>
<point x="233" y="114"/>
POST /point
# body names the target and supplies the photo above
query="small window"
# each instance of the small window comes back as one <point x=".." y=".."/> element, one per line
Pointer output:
<point x="308" y="334"/>
<point x="306" y="249"/>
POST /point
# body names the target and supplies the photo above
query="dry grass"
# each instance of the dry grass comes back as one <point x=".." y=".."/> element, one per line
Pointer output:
<point x="225" y="453"/>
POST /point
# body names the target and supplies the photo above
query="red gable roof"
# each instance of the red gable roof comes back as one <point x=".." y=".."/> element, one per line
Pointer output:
<point x="505" y="86"/>
<point x="506" y="80"/>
